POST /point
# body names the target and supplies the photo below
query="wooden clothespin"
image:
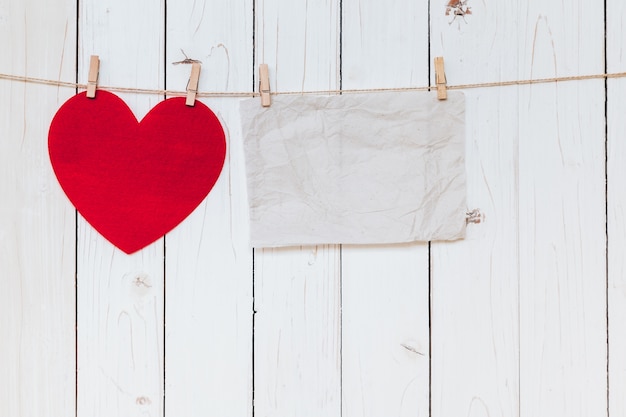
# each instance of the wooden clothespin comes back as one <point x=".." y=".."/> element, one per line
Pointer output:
<point x="92" y="78"/>
<point x="440" y="79"/>
<point x="264" y="85"/>
<point x="192" y="86"/>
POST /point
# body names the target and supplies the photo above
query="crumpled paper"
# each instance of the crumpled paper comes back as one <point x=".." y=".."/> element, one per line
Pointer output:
<point x="355" y="168"/>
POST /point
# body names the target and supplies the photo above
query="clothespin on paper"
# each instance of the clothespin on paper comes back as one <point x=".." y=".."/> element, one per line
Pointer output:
<point x="440" y="79"/>
<point x="264" y="85"/>
<point x="92" y="78"/>
<point x="192" y="86"/>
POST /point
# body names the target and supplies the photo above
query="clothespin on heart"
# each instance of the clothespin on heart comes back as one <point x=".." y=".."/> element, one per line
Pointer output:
<point x="194" y="78"/>
<point x="92" y="77"/>
<point x="192" y="86"/>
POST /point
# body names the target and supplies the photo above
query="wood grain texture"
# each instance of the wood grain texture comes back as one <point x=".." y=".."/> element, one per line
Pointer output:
<point x="297" y="360"/>
<point x="208" y="360"/>
<point x="616" y="199"/>
<point x="562" y="243"/>
<point x="475" y="320"/>
<point x="37" y="310"/>
<point x="120" y="297"/>
<point x="385" y="289"/>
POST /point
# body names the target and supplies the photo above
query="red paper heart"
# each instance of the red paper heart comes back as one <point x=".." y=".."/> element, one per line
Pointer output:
<point x="135" y="181"/>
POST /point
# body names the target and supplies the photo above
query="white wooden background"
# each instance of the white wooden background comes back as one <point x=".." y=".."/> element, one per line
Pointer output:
<point x="525" y="317"/>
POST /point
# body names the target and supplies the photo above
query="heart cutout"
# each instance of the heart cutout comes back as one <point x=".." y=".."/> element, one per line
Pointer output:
<point x="135" y="181"/>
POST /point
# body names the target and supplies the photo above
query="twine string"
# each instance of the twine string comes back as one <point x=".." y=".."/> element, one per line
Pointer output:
<point x="174" y="93"/>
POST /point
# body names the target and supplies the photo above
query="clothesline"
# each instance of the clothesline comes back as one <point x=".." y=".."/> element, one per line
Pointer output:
<point x="174" y="93"/>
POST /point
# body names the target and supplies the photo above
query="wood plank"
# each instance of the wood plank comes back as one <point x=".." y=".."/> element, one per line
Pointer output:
<point x="297" y="361"/>
<point x="208" y="361"/>
<point x="37" y="320"/>
<point x="385" y="330"/>
<point x="297" y="332"/>
<point x="120" y="297"/>
<point x="562" y="251"/>
<point x="385" y="289"/>
<point x="616" y="169"/>
<point x="562" y="242"/>
<point x="475" y="281"/>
